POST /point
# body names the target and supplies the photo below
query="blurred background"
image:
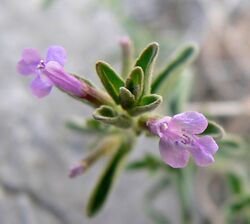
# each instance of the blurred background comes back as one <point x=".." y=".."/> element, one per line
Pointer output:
<point x="37" y="148"/>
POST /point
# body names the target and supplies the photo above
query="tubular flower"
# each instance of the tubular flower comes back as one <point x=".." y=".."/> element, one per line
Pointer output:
<point x="49" y="72"/>
<point x="179" y="138"/>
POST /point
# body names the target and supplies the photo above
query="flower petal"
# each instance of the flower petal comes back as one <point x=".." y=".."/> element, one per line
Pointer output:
<point x="208" y="144"/>
<point x="191" y="122"/>
<point x="31" y="56"/>
<point x="203" y="153"/>
<point x="56" y="53"/>
<point x="174" y="155"/>
<point x="26" y="69"/>
<point x="41" y="86"/>
<point x="63" y="80"/>
<point x="30" y="59"/>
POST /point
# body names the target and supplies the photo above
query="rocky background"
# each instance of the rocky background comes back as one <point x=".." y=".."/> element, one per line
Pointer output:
<point x="36" y="148"/>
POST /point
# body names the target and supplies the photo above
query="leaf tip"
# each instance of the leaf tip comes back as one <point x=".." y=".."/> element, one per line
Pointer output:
<point x="100" y="63"/>
<point x="193" y="48"/>
<point x="154" y="44"/>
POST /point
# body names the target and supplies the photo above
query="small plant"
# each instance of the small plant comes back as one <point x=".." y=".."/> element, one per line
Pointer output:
<point x="127" y="108"/>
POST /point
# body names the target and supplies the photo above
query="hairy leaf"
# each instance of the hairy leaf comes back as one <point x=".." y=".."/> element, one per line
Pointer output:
<point x="110" y="80"/>
<point x="127" y="99"/>
<point x="146" y="61"/>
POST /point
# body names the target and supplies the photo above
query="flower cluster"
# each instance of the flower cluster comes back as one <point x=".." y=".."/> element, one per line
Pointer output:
<point x="122" y="111"/>
<point x="178" y="135"/>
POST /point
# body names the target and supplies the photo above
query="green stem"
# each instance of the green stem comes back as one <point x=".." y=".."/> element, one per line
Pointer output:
<point x="184" y="191"/>
<point x="106" y="146"/>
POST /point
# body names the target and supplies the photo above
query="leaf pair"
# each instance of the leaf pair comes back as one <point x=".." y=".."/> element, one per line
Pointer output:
<point x="133" y="93"/>
<point x="139" y="81"/>
<point x="146" y="61"/>
<point x="126" y="95"/>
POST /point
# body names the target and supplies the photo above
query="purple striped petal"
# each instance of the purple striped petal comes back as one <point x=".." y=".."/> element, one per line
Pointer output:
<point x="56" y="53"/>
<point x="41" y="86"/>
<point x="208" y="144"/>
<point x="190" y="122"/>
<point x="203" y="153"/>
<point x="173" y="155"/>
<point x="202" y="158"/>
<point x="64" y="81"/>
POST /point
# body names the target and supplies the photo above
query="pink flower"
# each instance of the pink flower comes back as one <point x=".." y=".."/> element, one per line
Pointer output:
<point x="49" y="72"/>
<point x="179" y="138"/>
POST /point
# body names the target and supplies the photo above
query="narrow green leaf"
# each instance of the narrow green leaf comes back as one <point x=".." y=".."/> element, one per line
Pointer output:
<point x="106" y="181"/>
<point x="127" y="99"/>
<point x="183" y="57"/>
<point x="240" y="204"/>
<point x="235" y="182"/>
<point x="146" y="61"/>
<point x="134" y="83"/>
<point x="110" y="80"/>
<point x="215" y="130"/>
<point x="108" y="115"/>
<point x="147" y="103"/>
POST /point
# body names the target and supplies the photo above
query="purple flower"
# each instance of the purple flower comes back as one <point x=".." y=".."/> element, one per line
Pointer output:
<point x="49" y="72"/>
<point x="178" y="139"/>
<point x="77" y="169"/>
